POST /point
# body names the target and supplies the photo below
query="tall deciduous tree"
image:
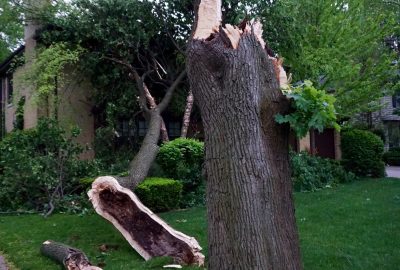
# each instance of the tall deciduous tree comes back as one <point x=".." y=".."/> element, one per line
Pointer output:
<point x="339" y="46"/>
<point x="251" y="222"/>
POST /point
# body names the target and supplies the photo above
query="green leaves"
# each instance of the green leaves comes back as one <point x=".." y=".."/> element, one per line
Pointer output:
<point x="48" y="69"/>
<point x="11" y="32"/>
<point x="314" y="109"/>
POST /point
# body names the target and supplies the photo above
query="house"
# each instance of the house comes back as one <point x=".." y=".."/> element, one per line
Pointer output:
<point x="385" y="121"/>
<point x="74" y="106"/>
<point x="324" y="144"/>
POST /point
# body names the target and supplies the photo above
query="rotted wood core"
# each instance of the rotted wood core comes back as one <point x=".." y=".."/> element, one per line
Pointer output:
<point x="70" y="257"/>
<point x="146" y="232"/>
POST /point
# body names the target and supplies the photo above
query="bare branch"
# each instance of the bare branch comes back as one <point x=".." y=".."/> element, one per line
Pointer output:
<point x="164" y="103"/>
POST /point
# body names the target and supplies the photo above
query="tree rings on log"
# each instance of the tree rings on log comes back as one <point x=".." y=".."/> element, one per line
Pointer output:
<point x="146" y="232"/>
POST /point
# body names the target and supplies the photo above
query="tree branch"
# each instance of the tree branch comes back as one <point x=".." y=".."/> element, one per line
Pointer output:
<point x="165" y="101"/>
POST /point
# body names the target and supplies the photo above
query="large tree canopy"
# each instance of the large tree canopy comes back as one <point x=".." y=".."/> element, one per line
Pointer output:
<point x="338" y="45"/>
<point x="11" y="29"/>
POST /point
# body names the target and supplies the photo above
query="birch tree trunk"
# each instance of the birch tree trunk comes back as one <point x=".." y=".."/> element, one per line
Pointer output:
<point x="186" y="115"/>
<point x="251" y="221"/>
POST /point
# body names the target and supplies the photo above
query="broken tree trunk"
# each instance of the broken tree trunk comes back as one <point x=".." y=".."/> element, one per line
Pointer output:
<point x="146" y="232"/>
<point x="71" y="258"/>
<point x="251" y="221"/>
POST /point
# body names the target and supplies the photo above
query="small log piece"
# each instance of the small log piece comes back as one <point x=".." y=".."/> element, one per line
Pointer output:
<point x="71" y="258"/>
<point x="146" y="232"/>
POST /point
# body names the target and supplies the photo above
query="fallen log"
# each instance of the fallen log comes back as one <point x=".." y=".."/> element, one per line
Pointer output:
<point x="71" y="258"/>
<point x="146" y="232"/>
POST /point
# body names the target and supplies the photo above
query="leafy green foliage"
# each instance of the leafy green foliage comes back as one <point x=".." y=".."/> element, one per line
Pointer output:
<point x="182" y="159"/>
<point x="362" y="153"/>
<point x="160" y="194"/>
<point x="392" y="157"/>
<point x="38" y="166"/>
<point x="338" y="45"/>
<point x="313" y="109"/>
<point x="48" y="68"/>
<point x="311" y="173"/>
<point x="19" y="114"/>
<point x="11" y="27"/>
<point x="101" y="28"/>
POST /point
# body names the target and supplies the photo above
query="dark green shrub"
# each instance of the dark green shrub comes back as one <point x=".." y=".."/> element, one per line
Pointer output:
<point x="182" y="159"/>
<point x="38" y="166"/>
<point x="160" y="194"/>
<point x="362" y="153"/>
<point x="310" y="173"/>
<point x="392" y="157"/>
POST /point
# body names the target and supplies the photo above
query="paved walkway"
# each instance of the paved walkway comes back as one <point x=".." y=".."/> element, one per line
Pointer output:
<point x="393" y="171"/>
<point x="3" y="265"/>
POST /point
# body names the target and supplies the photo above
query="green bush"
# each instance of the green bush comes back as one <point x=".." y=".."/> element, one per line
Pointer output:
<point x="38" y="166"/>
<point x="182" y="159"/>
<point x="392" y="157"/>
<point x="310" y="173"/>
<point x="159" y="194"/>
<point x="362" y="153"/>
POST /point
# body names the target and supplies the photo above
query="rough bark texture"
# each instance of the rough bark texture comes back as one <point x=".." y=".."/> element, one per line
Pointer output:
<point x="145" y="231"/>
<point x="71" y="258"/>
<point x="186" y="115"/>
<point x="251" y="221"/>
<point x="141" y="163"/>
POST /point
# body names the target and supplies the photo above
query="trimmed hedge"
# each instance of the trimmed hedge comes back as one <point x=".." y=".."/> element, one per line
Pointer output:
<point x="362" y="153"/>
<point x="182" y="159"/>
<point x="311" y="173"/>
<point x="160" y="194"/>
<point x="392" y="157"/>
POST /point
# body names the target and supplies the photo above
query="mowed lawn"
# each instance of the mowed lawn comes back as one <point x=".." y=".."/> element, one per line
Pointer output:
<point x="353" y="226"/>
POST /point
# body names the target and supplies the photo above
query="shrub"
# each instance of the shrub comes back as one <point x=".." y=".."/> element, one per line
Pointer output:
<point x="310" y="173"/>
<point x="182" y="159"/>
<point x="38" y="166"/>
<point x="160" y="194"/>
<point x="362" y="153"/>
<point x="392" y="157"/>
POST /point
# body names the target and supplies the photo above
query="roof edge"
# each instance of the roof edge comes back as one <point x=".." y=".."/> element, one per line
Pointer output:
<point x="5" y="64"/>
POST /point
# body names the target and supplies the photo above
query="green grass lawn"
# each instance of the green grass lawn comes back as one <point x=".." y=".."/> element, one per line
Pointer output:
<point x="354" y="226"/>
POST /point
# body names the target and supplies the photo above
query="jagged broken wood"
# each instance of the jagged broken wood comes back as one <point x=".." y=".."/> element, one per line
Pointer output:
<point x="71" y="258"/>
<point x="146" y="232"/>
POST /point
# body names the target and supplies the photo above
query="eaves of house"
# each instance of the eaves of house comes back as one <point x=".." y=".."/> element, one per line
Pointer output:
<point x="4" y="66"/>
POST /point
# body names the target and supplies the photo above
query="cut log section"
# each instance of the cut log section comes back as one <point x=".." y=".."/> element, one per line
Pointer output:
<point x="71" y="258"/>
<point x="146" y="232"/>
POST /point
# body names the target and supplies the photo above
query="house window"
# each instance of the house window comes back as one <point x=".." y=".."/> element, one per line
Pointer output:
<point x="124" y="128"/>
<point x="10" y="89"/>
<point x="396" y="101"/>
<point x="174" y="129"/>
<point x="142" y="128"/>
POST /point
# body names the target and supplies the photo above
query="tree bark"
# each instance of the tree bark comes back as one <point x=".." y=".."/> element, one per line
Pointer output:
<point x="186" y="115"/>
<point x="145" y="231"/>
<point x="251" y="221"/>
<point x="152" y="102"/>
<point x="71" y="258"/>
